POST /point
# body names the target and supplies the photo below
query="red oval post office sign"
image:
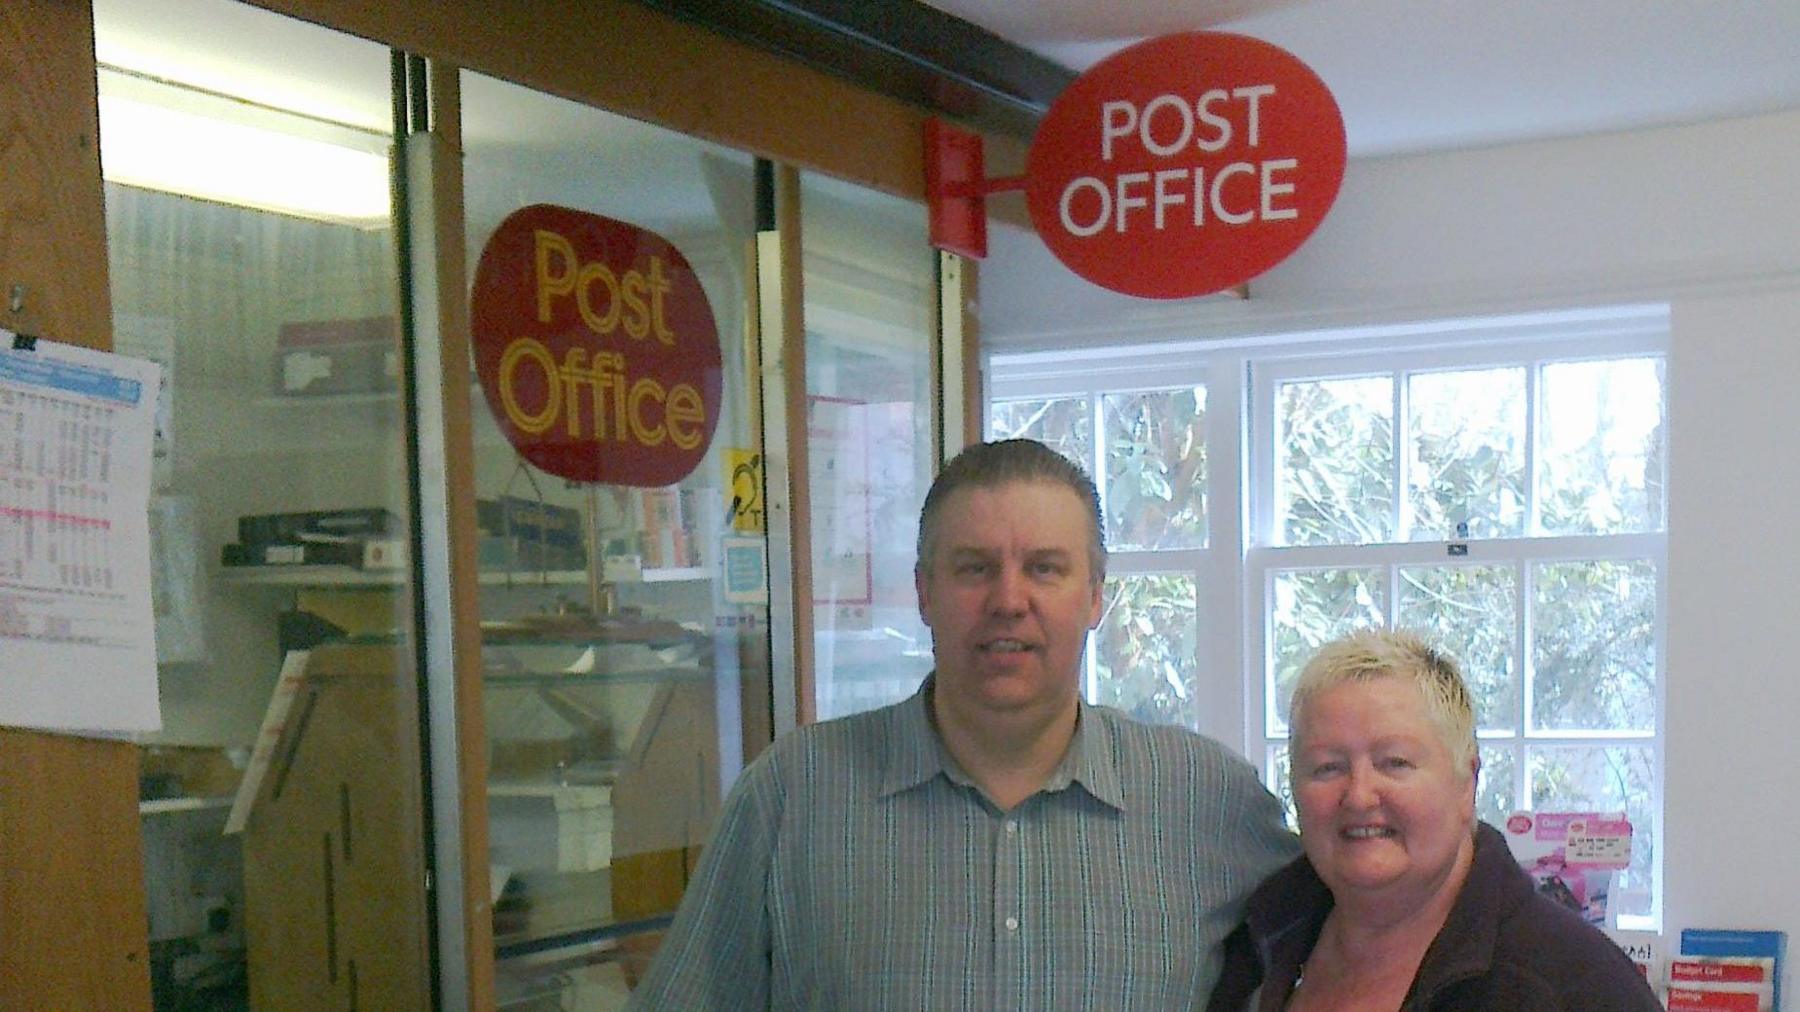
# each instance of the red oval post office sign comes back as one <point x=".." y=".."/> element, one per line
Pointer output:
<point x="1185" y="164"/>
<point x="596" y="347"/>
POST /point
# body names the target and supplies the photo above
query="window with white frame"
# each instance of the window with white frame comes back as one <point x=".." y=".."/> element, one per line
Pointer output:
<point x="1147" y="436"/>
<point x="1498" y="486"/>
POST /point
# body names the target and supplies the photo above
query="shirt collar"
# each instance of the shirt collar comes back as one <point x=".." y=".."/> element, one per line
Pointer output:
<point x="915" y="753"/>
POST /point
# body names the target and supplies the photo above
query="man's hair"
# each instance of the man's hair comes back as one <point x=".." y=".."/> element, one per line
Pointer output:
<point x="1008" y="462"/>
<point x="1369" y="654"/>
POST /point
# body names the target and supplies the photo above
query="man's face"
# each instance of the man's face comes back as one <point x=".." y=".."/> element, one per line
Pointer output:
<point x="1009" y="597"/>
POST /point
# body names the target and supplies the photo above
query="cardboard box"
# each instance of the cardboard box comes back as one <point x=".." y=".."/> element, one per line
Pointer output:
<point x="334" y="865"/>
<point x="528" y="520"/>
<point x="384" y="553"/>
<point x="503" y="555"/>
<point x="317" y="357"/>
<point x="565" y="827"/>
<point x="366" y="522"/>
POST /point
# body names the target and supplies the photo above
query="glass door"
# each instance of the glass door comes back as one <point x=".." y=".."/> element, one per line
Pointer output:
<point x="623" y="601"/>
<point x="251" y="250"/>
<point x="869" y="287"/>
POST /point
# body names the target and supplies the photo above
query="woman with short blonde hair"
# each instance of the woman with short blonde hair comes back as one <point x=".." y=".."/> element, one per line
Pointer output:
<point x="1403" y="899"/>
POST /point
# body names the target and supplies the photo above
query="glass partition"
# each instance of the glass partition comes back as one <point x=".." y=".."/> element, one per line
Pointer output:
<point x="626" y="659"/>
<point x="869" y="286"/>
<point x="251" y="254"/>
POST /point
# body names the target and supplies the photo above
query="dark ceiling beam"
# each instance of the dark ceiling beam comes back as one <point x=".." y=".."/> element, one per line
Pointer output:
<point x="900" y="48"/>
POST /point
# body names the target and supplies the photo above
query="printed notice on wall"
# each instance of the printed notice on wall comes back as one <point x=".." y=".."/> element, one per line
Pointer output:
<point x="76" y="618"/>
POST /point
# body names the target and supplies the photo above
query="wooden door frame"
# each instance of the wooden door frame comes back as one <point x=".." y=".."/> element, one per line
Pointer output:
<point x="72" y="906"/>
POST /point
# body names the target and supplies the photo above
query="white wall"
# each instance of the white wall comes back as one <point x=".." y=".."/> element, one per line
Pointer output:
<point x="1733" y="698"/>
<point x="1705" y="217"/>
<point x="1647" y="214"/>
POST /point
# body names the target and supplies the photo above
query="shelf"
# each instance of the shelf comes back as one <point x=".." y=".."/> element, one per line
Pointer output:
<point x="347" y="576"/>
<point x="337" y="400"/>
<point x="517" y="944"/>
<point x="164" y="806"/>
<point x="310" y="576"/>
<point x="678" y="574"/>
<point x="386" y="395"/>
<point x="565" y="680"/>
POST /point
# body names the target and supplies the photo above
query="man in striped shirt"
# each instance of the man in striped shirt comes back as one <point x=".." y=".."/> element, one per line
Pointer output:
<point x="993" y="842"/>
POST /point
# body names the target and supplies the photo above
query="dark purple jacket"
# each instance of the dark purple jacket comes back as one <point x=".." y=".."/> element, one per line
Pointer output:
<point x="1503" y="948"/>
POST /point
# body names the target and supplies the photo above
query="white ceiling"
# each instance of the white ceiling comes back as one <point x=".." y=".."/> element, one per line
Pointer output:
<point x="1420" y="75"/>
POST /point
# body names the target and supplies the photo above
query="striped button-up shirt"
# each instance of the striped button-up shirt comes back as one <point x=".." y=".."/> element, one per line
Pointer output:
<point x="855" y="866"/>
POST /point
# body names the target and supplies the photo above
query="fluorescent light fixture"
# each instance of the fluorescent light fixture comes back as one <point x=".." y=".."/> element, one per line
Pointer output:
<point x="162" y="136"/>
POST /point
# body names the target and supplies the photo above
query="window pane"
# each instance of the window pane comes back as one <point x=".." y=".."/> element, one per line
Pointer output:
<point x="1466" y="445"/>
<point x="1497" y="795"/>
<point x="1606" y="779"/>
<point x="1146" y="648"/>
<point x="1471" y="612"/>
<point x="1065" y="424"/>
<point x="1156" y="468"/>
<point x="868" y="384"/>
<point x="1600" y="440"/>
<point x="1593" y="646"/>
<point x="1335" y="484"/>
<point x="1279" y="778"/>
<point x="1313" y="607"/>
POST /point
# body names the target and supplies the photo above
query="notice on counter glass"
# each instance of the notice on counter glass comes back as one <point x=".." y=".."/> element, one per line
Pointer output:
<point x="76" y="619"/>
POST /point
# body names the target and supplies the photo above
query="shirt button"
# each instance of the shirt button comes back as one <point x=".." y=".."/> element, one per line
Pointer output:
<point x="1012" y="924"/>
<point x="1012" y="827"/>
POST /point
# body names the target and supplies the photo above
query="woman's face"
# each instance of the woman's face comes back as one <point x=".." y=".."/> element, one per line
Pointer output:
<point x="1386" y="813"/>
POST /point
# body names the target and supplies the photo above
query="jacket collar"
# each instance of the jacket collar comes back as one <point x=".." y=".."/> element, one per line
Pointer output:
<point x="915" y="753"/>
<point x="1284" y="916"/>
<point x="1464" y="947"/>
<point x="1286" y="913"/>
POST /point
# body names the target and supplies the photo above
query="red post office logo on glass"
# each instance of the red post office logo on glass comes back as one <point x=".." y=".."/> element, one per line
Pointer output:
<point x="596" y="347"/>
<point x="1185" y="164"/>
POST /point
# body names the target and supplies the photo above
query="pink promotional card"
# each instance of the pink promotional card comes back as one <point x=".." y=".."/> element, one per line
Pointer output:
<point x="1572" y="855"/>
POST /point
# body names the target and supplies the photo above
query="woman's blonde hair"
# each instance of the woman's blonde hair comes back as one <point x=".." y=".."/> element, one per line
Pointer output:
<point x="1368" y="654"/>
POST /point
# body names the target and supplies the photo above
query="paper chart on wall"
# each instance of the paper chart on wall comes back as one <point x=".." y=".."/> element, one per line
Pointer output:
<point x="77" y="630"/>
<point x="842" y="534"/>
